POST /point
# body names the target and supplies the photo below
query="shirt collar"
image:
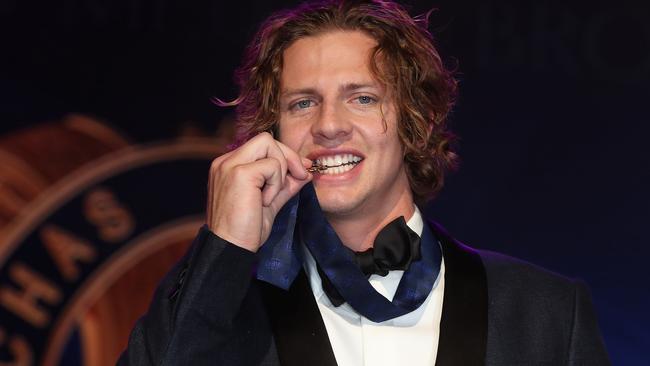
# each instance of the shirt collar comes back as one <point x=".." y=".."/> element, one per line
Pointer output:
<point x="415" y="223"/>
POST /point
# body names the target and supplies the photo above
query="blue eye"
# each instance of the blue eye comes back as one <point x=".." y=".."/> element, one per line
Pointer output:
<point x="302" y="104"/>
<point x="364" y="99"/>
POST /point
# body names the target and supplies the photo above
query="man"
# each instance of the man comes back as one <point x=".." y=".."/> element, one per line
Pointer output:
<point x="342" y="113"/>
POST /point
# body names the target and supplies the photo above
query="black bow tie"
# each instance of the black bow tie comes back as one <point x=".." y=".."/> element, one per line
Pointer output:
<point x="395" y="248"/>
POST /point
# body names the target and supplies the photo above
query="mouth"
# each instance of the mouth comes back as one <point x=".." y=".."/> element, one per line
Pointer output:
<point x="335" y="164"/>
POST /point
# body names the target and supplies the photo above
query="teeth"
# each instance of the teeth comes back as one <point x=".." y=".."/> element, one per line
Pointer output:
<point x="336" y="160"/>
<point x="339" y="169"/>
<point x="337" y="164"/>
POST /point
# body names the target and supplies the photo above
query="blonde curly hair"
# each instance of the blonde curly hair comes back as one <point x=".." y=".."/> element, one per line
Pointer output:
<point x="424" y="89"/>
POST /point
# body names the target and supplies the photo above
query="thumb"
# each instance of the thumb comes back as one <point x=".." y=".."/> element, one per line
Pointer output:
<point x="291" y="187"/>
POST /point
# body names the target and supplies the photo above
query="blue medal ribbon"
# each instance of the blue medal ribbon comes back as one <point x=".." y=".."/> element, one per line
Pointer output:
<point x="302" y="220"/>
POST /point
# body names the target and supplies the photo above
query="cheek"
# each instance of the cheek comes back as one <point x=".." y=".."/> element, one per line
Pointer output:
<point x="393" y="146"/>
<point x="390" y="135"/>
<point x="291" y="135"/>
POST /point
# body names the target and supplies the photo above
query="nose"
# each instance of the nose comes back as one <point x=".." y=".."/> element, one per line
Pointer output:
<point x="331" y="126"/>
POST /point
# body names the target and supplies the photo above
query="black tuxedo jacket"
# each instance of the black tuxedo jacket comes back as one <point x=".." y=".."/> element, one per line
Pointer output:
<point x="210" y="310"/>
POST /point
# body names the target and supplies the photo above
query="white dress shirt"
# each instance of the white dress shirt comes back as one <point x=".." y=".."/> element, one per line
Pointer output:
<point x="411" y="339"/>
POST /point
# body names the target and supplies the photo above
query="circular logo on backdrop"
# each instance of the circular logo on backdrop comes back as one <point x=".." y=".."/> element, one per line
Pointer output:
<point x="73" y="242"/>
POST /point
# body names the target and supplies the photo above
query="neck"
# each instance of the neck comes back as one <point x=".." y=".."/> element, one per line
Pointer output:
<point x="358" y="232"/>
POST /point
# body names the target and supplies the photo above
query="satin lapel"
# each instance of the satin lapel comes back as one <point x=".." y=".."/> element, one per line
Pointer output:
<point x="298" y="328"/>
<point x="463" y="327"/>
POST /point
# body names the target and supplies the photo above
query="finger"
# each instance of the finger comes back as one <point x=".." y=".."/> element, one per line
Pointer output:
<point x="291" y="187"/>
<point x="295" y="164"/>
<point x="306" y="163"/>
<point x="267" y="175"/>
<point x="208" y="209"/>
<point x="275" y="151"/>
<point x="259" y="147"/>
<point x="214" y="166"/>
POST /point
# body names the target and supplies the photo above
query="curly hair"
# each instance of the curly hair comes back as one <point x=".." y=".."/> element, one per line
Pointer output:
<point x="424" y="89"/>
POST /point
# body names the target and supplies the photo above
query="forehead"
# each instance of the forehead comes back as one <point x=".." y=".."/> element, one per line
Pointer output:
<point x="336" y="56"/>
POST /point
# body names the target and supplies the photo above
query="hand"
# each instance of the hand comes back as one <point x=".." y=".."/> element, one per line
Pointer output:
<point x="248" y="186"/>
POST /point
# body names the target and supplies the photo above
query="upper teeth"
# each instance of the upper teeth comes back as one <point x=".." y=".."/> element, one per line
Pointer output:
<point x="337" y="160"/>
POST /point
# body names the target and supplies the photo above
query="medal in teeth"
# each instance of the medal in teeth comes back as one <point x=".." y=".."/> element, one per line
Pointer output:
<point x="334" y="164"/>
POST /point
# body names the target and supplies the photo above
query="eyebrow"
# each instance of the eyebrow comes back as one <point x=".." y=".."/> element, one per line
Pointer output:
<point x="355" y="86"/>
<point x="345" y="88"/>
<point x="303" y="91"/>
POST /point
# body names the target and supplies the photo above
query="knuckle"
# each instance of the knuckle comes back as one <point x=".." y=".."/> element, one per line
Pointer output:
<point x="215" y="166"/>
<point x="219" y="160"/>
<point x="238" y="171"/>
<point x="218" y="170"/>
<point x="216" y="162"/>
<point x="266" y="137"/>
<point x="255" y="138"/>
<point x="224" y="167"/>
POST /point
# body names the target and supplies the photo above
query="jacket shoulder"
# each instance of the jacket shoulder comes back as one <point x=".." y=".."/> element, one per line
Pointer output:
<point x="536" y="314"/>
<point x="513" y="273"/>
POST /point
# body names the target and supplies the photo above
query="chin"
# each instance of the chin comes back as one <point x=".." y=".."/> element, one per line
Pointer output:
<point x="336" y="208"/>
<point x="337" y="204"/>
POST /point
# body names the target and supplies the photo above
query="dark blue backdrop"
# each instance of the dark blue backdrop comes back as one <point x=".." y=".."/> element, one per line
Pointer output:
<point x="552" y="116"/>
